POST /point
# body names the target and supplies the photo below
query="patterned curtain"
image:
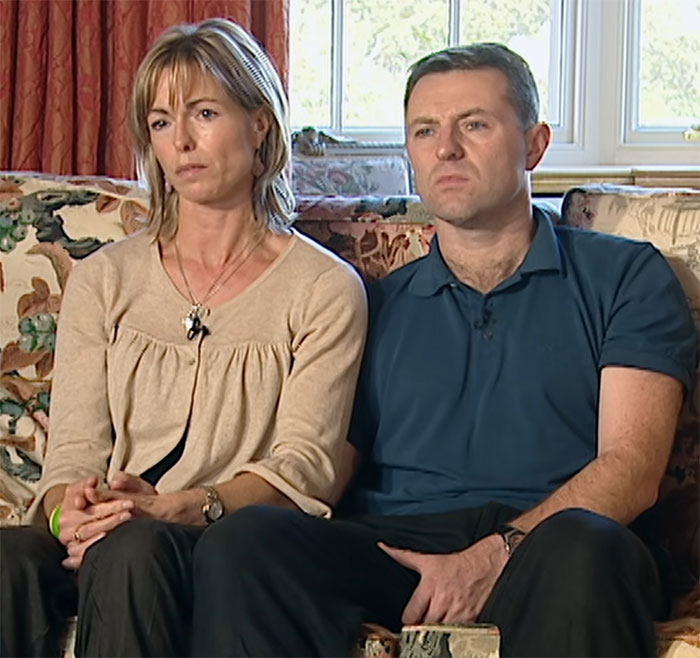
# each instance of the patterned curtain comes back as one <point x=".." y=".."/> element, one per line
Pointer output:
<point x="66" y="69"/>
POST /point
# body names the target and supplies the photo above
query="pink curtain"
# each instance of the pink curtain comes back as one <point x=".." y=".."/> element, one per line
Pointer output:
<point x="68" y="65"/>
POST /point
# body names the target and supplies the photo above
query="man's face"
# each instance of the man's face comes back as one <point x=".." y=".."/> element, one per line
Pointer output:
<point x="468" y="147"/>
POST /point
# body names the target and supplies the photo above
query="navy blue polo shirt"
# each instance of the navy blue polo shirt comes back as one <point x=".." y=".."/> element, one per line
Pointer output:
<point x="466" y="398"/>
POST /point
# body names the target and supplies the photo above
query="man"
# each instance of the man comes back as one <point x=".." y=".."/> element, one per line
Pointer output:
<point x="516" y="410"/>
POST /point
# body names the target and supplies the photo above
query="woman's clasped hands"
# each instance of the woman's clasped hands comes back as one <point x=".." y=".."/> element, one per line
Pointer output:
<point x="85" y="516"/>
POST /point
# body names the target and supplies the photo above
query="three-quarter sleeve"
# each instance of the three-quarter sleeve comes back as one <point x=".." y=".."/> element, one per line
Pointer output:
<point x="80" y="430"/>
<point x="310" y="460"/>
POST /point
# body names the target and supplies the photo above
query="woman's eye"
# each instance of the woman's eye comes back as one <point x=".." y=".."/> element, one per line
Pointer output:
<point x="207" y="113"/>
<point x="158" y="124"/>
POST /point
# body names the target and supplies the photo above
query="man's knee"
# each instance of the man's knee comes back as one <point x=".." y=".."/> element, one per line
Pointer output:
<point x="578" y="543"/>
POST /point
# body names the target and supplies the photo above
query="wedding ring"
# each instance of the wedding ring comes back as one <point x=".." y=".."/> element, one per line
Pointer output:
<point x="76" y="535"/>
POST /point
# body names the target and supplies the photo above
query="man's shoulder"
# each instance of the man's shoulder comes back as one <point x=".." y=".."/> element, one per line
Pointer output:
<point x="587" y="247"/>
<point x="588" y="238"/>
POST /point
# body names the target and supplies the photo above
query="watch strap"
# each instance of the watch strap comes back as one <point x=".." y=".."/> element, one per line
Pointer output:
<point x="511" y="536"/>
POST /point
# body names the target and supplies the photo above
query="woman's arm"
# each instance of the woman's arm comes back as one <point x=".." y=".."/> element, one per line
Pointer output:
<point x="311" y="460"/>
<point x="80" y="437"/>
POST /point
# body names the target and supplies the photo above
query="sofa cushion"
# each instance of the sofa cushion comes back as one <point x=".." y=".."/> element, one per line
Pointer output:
<point x="46" y="223"/>
<point x="376" y="234"/>
<point x="351" y="174"/>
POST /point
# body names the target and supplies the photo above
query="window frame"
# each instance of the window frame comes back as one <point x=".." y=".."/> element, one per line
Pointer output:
<point x="592" y="131"/>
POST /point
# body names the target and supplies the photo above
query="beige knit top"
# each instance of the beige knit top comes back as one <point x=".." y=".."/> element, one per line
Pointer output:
<point x="269" y="390"/>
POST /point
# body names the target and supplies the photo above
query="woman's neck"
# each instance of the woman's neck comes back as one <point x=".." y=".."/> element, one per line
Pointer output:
<point x="211" y="236"/>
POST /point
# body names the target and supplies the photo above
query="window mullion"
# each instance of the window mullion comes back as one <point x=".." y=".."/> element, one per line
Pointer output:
<point x="337" y="63"/>
<point x="454" y="18"/>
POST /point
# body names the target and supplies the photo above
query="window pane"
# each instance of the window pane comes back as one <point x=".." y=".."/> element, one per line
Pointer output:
<point x="669" y="93"/>
<point x="525" y="26"/>
<point x="310" y="63"/>
<point x="382" y="39"/>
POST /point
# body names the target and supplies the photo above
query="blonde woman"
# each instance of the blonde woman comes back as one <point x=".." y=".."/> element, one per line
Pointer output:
<point x="204" y="365"/>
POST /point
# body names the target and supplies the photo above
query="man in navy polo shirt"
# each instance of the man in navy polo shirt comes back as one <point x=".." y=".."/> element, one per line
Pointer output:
<point x="515" y="412"/>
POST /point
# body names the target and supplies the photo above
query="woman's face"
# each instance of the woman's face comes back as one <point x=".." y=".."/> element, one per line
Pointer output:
<point x="205" y="142"/>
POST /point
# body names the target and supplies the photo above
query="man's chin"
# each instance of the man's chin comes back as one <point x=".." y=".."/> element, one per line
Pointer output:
<point x="460" y="215"/>
<point x="453" y="211"/>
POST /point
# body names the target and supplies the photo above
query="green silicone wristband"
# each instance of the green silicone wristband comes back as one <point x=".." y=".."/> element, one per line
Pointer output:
<point x="55" y="521"/>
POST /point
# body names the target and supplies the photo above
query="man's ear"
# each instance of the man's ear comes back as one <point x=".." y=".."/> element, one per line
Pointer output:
<point x="261" y="125"/>
<point x="538" y="139"/>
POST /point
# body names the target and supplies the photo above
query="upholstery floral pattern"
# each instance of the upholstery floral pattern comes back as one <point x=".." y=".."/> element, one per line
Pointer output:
<point x="351" y="175"/>
<point x="382" y="233"/>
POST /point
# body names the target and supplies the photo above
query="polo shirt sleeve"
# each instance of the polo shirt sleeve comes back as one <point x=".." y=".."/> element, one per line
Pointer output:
<point x="649" y="325"/>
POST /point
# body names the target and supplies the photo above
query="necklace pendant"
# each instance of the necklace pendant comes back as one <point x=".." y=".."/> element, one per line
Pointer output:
<point x="193" y="322"/>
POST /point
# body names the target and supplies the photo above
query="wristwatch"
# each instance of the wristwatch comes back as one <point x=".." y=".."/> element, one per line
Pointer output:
<point x="213" y="508"/>
<point x="511" y="537"/>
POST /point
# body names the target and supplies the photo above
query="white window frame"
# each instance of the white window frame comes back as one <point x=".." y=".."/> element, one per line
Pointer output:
<point x="600" y="64"/>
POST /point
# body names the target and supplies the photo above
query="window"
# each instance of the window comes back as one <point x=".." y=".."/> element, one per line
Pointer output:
<point x="619" y="80"/>
<point x="663" y="88"/>
<point x="349" y="58"/>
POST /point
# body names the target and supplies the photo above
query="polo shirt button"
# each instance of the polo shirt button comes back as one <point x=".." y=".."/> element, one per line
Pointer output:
<point x="453" y="285"/>
<point x="193" y="361"/>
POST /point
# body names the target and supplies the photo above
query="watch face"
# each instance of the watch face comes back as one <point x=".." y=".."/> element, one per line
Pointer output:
<point x="216" y="510"/>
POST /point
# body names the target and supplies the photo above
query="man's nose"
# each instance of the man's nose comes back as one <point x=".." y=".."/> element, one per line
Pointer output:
<point x="449" y="146"/>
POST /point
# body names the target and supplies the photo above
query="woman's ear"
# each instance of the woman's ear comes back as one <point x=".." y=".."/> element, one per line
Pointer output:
<point x="538" y="138"/>
<point x="261" y="125"/>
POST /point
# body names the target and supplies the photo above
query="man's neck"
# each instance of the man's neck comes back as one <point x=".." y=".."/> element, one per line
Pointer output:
<point x="484" y="256"/>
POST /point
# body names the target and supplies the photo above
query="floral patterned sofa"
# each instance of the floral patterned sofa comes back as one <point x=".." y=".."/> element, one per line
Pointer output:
<point x="47" y="223"/>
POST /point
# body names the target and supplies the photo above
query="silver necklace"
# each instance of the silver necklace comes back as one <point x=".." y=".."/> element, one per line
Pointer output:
<point x="193" y="321"/>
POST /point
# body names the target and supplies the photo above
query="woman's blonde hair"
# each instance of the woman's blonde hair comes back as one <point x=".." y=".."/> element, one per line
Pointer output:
<point x="225" y="51"/>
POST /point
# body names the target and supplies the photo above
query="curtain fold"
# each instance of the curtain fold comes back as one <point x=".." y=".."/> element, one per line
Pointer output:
<point x="68" y="66"/>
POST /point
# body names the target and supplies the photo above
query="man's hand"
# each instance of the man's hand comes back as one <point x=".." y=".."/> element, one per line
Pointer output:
<point x="453" y="587"/>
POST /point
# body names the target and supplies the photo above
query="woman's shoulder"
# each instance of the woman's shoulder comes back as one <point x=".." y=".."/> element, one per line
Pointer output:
<point x="112" y="260"/>
<point x="115" y="254"/>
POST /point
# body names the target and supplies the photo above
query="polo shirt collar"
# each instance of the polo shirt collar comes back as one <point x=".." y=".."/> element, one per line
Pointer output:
<point x="433" y="273"/>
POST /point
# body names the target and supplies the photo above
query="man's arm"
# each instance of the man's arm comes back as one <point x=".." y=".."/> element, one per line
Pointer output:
<point x="637" y="416"/>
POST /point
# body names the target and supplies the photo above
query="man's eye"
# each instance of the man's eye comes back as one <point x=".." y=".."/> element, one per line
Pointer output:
<point x="475" y="125"/>
<point x="423" y="132"/>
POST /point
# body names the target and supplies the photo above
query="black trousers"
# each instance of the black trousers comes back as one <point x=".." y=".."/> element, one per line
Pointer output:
<point x="133" y="593"/>
<point x="272" y="582"/>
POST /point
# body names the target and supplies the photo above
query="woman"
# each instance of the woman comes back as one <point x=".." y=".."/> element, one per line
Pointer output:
<point x="217" y="352"/>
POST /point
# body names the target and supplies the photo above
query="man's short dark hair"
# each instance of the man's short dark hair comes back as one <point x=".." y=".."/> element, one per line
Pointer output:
<point x="523" y="89"/>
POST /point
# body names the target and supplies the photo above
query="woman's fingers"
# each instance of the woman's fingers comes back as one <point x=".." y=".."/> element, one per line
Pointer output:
<point x="77" y="525"/>
<point x="76" y="551"/>
<point x="74" y="496"/>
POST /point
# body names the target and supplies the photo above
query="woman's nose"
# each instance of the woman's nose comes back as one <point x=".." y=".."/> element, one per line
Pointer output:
<point x="183" y="138"/>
